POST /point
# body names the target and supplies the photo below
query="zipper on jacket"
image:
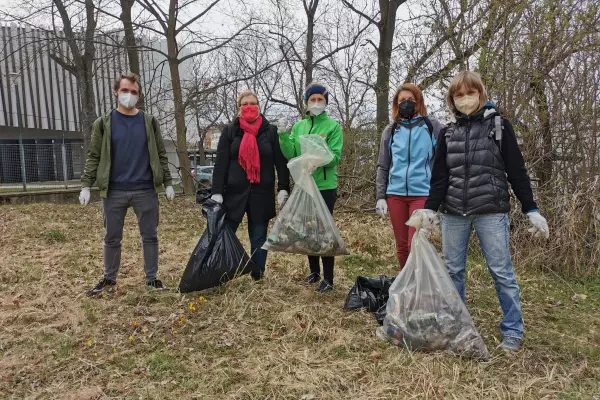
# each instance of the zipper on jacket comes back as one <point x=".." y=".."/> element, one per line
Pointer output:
<point x="408" y="163"/>
<point x="324" y="173"/>
<point x="466" y="183"/>
<point x="312" y="124"/>
<point x="426" y="164"/>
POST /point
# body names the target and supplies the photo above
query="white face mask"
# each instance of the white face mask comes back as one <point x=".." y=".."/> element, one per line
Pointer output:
<point x="316" y="108"/>
<point x="127" y="100"/>
<point x="467" y="104"/>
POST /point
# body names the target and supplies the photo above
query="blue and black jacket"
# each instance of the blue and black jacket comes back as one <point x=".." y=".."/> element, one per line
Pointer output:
<point x="406" y="156"/>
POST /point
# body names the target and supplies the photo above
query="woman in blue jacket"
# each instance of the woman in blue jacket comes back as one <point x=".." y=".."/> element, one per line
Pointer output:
<point x="404" y="167"/>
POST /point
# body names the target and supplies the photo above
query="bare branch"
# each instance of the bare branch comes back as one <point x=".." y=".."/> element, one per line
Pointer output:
<point x="362" y="14"/>
<point x="220" y="45"/>
<point x="197" y="17"/>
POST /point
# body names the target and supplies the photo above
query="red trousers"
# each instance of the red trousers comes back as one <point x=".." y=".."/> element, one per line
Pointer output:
<point x="400" y="209"/>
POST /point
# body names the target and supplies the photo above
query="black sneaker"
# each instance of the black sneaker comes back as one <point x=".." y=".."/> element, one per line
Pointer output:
<point x="101" y="286"/>
<point x="324" y="287"/>
<point x="313" y="277"/>
<point x="155" y="285"/>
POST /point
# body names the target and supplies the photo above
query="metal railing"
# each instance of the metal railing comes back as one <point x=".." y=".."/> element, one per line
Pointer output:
<point x="34" y="166"/>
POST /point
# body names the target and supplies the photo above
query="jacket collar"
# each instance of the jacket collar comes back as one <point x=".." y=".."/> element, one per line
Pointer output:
<point x="486" y="112"/>
<point x="318" y="118"/>
<point x="411" y="121"/>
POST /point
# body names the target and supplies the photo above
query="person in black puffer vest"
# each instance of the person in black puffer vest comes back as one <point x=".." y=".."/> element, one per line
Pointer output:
<point x="476" y="158"/>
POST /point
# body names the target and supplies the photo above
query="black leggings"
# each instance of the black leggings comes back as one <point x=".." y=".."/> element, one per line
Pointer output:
<point x="330" y="196"/>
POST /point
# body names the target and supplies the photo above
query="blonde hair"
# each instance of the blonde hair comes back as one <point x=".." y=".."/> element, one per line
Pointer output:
<point x="420" y="107"/>
<point x="466" y="79"/>
<point x="245" y="93"/>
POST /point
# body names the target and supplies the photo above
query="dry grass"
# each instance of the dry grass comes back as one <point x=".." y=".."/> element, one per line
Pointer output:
<point x="273" y="340"/>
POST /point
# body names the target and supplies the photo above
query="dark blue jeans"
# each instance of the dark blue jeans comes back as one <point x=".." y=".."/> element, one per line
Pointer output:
<point x="493" y="233"/>
<point x="257" y="231"/>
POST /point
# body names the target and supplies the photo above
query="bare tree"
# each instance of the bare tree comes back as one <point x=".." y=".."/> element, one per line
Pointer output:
<point x="302" y="62"/>
<point x="386" y="25"/>
<point x="130" y="41"/>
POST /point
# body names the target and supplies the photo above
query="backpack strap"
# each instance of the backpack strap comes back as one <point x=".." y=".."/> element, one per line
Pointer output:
<point x="101" y="118"/>
<point x="429" y="125"/>
<point x="430" y="129"/>
<point x="394" y="127"/>
<point x="498" y="130"/>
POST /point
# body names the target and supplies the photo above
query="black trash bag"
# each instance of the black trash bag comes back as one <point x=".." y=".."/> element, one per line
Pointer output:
<point x="369" y="293"/>
<point x="203" y="194"/>
<point x="381" y="313"/>
<point x="218" y="257"/>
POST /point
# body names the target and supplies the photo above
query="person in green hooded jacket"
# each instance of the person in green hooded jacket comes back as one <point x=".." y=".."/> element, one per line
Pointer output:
<point x="317" y="122"/>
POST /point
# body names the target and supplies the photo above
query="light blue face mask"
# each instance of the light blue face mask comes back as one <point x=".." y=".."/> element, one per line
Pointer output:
<point x="316" y="108"/>
<point x="127" y="100"/>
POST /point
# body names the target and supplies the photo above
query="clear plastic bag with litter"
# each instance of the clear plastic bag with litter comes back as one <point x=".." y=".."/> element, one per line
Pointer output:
<point x="424" y="310"/>
<point x="305" y="225"/>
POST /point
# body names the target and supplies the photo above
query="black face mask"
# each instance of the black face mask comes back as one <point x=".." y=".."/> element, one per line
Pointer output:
<point x="407" y="109"/>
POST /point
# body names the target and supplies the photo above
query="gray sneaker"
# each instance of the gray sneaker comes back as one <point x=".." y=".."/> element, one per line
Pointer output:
<point x="511" y="344"/>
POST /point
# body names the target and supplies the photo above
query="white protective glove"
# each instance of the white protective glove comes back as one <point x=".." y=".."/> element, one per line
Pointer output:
<point x="169" y="193"/>
<point x="282" y="197"/>
<point x="84" y="196"/>
<point x="217" y="197"/>
<point x="282" y="126"/>
<point x="540" y="225"/>
<point x="381" y="208"/>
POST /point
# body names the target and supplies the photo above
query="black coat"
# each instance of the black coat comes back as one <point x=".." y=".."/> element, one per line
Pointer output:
<point x="231" y="180"/>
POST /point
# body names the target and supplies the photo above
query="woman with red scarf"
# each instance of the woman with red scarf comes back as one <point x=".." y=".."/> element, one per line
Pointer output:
<point x="244" y="175"/>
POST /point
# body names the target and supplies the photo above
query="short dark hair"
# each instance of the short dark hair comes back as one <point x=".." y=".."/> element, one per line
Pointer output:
<point x="131" y="77"/>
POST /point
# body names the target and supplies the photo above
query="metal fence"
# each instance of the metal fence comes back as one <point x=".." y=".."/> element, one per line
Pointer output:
<point x="26" y="166"/>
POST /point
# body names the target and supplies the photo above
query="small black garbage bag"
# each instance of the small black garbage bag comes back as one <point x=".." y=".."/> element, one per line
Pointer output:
<point x="218" y="257"/>
<point x="371" y="294"/>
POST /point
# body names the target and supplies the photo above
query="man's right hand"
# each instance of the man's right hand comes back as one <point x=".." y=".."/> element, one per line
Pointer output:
<point x="218" y="198"/>
<point x="84" y="196"/>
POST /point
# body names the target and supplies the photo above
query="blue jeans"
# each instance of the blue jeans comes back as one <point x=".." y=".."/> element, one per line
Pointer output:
<point x="257" y="231"/>
<point x="492" y="231"/>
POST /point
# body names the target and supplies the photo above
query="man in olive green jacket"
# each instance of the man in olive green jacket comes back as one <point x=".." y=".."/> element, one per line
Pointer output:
<point x="128" y="161"/>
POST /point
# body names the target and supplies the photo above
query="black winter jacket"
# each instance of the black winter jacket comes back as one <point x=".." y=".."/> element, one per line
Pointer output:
<point x="471" y="172"/>
<point x="230" y="179"/>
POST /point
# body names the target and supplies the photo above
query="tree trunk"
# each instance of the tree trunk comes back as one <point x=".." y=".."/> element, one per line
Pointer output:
<point x="85" y="80"/>
<point x="310" y="28"/>
<point x="387" y="26"/>
<point x="201" y="136"/>
<point x="544" y="170"/>
<point x="132" y="51"/>
<point x="182" y="154"/>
